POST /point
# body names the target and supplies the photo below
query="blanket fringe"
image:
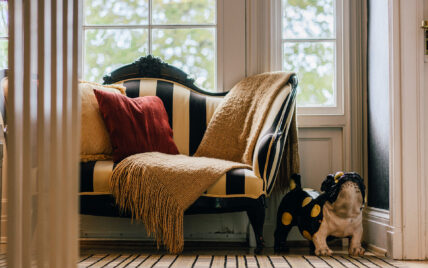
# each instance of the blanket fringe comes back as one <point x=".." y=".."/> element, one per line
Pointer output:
<point x="137" y="192"/>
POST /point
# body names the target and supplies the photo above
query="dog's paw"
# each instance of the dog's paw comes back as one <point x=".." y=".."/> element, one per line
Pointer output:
<point x="356" y="251"/>
<point x="323" y="251"/>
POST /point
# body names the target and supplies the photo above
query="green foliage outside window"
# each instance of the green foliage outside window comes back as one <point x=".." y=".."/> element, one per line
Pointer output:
<point x="186" y="47"/>
<point x="309" y="49"/>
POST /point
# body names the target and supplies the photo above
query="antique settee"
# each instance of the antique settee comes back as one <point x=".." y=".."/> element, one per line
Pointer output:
<point x="189" y="110"/>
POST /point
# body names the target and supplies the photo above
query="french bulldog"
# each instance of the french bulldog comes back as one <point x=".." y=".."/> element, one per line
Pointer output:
<point x="334" y="213"/>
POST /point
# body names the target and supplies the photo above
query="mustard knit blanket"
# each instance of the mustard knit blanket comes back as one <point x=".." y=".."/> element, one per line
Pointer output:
<point x="157" y="188"/>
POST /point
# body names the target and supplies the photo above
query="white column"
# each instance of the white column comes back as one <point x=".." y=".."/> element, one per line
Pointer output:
<point x="408" y="176"/>
<point x="44" y="57"/>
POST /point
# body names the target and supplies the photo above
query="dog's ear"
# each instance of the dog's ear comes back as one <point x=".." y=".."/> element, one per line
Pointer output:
<point x="327" y="183"/>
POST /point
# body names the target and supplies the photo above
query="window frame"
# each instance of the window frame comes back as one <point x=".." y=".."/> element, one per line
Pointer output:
<point x="217" y="26"/>
<point x="6" y="38"/>
<point x="341" y="59"/>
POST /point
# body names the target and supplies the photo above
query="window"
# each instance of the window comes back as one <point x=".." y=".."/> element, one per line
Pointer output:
<point x="3" y="35"/>
<point x="312" y="47"/>
<point x="181" y="32"/>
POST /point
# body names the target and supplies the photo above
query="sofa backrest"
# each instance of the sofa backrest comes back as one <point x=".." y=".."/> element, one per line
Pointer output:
<point x="189" y="111"/>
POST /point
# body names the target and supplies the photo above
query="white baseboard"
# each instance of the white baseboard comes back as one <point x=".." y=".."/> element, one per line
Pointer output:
<point x="377" y="250"/>
<point x="376" y="226"/>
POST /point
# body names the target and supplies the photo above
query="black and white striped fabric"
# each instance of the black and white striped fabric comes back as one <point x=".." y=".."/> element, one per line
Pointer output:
<point x="95" y="178"/>
<point x="189" y="113"/>
<point x="270" y="145"/>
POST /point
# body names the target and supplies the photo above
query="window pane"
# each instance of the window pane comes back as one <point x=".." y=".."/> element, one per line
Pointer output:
<point x="314" y="64"/>
<point x="3" y="54"/>
<point x="105" y="50"/>
<point x="308" y="19"/>
<point x="3" y="19"/>
<point x="184" y="11"/>
<point x="192" y="50"/>
<point x="113" y="12"/>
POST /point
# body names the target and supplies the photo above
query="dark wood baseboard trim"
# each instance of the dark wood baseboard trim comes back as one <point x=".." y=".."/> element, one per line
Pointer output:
<point x="86" y="243"/>
<point x="150" y="244"/>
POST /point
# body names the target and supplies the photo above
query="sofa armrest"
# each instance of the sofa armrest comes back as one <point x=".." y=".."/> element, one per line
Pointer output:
<point x="270" y="145"/>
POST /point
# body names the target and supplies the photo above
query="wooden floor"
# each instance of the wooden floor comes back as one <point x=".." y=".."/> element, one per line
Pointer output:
<point x="221" y="255"/>
<point x="199" y="261"/>
<point x="119" y="254"/>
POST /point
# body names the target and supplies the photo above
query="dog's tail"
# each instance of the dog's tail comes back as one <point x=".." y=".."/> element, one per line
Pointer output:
<point x="295" y="182"/>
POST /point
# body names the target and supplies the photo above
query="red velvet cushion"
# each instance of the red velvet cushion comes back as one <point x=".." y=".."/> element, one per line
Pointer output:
<point x="135" y="125"/>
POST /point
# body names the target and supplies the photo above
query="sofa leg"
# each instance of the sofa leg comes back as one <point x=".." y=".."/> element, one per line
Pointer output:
<point x="256" y="215"/>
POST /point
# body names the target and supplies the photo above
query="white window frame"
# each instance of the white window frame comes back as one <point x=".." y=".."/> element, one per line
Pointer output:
<point x="3" y="38"/>
<point x="228" y="46"/>
<point x="341" y="67"/>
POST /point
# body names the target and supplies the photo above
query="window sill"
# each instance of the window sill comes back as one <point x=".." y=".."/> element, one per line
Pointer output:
<point x="321" y="120"/>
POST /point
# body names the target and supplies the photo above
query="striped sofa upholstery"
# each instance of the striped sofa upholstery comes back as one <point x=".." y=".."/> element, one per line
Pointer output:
<point x="95" y="177"/>
<point x="189" y="113"/>
<point x="270" y="145"/>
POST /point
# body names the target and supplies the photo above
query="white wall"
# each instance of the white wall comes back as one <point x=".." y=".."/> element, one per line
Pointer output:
<point x="407" y="230"/>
